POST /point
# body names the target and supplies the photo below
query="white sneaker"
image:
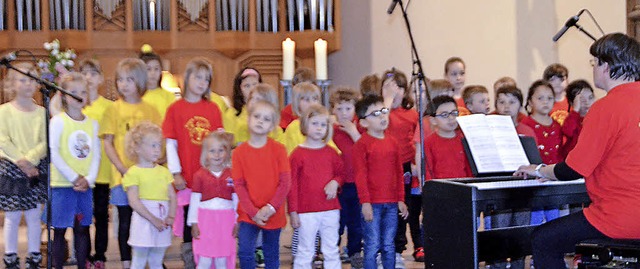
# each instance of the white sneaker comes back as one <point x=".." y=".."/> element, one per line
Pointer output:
<point x="399" y="261"/>
<point x="379" y="261"/>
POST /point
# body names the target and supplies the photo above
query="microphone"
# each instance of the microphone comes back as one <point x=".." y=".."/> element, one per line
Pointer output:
<point x="570" y="23"/>
<point x="9" y="57"/>
<point x="392" y="6"/>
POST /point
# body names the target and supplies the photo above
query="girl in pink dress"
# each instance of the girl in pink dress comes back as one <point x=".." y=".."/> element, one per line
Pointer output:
<point x="212" y="214"/>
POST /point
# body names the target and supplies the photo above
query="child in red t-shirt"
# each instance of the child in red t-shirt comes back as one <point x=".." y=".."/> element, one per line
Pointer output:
<point x="316" y="171"/>
<point x="345" y="134"/>
<point x="379" y="181"/>
<point x="213" y="205"/>
<point x="262" y="178"/>
<point x="540" y="100"/>
<point x="186" y="123"/>
<point x="509" y="102"/>
<point x="558" y="76"/>
<point x="445" y="157"/>
<point x="403" y="120"/>
<point x="580" y="97"/>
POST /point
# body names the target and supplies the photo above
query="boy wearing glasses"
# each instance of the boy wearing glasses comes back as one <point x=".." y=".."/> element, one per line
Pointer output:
<point x="558" y="76"/>
<point x="379" y="182"/>
<point x="443" y="149"/>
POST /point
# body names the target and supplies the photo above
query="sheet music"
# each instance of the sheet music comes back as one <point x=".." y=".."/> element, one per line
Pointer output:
<point x="494" y="142"/>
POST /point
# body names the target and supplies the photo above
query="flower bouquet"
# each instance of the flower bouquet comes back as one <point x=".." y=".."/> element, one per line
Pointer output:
<point x="58" y="62"/>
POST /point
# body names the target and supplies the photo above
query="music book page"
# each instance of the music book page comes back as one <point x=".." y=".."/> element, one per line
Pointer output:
<point x="493" y="142"/>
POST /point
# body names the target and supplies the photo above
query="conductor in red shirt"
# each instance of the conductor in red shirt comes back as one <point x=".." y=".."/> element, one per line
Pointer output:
<point x="606" y="155"/>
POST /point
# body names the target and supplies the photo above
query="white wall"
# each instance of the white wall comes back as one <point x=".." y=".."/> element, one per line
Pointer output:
<point x="495" y="37"/>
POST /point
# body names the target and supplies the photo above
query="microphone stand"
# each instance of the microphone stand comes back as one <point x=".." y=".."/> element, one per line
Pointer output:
<point x="418" y="76"/>
<point x="46" y="90"/>
<point x="584" y="31"/>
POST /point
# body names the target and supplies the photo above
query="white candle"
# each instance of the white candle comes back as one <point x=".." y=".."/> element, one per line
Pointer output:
<point x="288" y="58"/>
<point x="320" y="47"/>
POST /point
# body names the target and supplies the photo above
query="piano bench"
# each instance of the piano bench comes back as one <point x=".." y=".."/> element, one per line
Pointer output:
<point x="608" y="253"/>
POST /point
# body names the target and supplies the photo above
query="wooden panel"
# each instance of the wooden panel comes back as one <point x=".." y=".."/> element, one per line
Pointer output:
<point x="112" y="39"/>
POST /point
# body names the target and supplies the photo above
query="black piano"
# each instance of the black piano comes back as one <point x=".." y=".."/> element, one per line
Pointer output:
<point x="452" y="206"/>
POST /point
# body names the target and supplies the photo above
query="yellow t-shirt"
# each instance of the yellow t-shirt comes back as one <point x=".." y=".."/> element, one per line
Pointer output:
<point x="96" y="110"/>
<point x="218" y="100"/>
<point x="239" y="126"/>
<point x="293" y="137"/>
<point x="153" y="183"/>
<point x="22" y="134"/>
<point x="159" y="98"/>
<point x="75" y="146"/>
<point x="122" y="116"/>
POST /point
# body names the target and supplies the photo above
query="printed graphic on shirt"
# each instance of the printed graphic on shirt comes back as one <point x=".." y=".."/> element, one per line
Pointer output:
<point x="229" y="182"/>
<point x="559" y="116"/>
<point x="79" y="144"/>
<point x="198" y="128"/>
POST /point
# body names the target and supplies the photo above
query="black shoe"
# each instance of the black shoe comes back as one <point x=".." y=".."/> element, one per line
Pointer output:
<point x="11" y="261"/>
<point x="33" y="260"/>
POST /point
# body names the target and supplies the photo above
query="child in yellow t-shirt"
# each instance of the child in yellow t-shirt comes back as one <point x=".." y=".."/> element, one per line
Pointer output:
<point x="131" y="80"/>
<point x="95" y="110"/>
<point x="305" y="94"/>
<point x="237" y="125"/>
<point x="155" y="95"/>
<point x="150" y="194"/>
<point x="75" y="159"/>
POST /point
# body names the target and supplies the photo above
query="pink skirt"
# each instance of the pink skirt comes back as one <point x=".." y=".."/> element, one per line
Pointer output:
<point x="182" y="198"/>
<point x="216" y="235"/>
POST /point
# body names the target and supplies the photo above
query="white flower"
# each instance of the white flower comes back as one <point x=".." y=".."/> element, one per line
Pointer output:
<point x="43" y="64"/>
<point x="55" y="52"/>
<point x="66" y="55"/>
<point x="70" y="63"/>
<point x="73" y="55"/>
<point x="47" y="45"/>
<point x="55" y="44"/>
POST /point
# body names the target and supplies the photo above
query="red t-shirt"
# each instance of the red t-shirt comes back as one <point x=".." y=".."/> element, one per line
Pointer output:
<point x="261" y="176"/>
<point x="607" y="156"/>
<point x="188" y="123"/>
<point x="287" y="116"/>
<point x="210" y="186"/>
<point x="311" y="170"/>
<point x="549" y="139"/>
<point x="378" y="170"/>
<point x="525" y="130"/>
<point x="571" y="130"/>
<point x="426" y="125"/>
<point x="402" y="126"/>
<point x="560" y="111"/>
<point x="345" y="145"/>
<point x="445" y="157"/>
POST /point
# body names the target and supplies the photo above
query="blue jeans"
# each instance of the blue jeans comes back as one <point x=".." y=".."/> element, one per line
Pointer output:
<point x="542" y="215"/>
<point x="379" y="235"/>
<point x="350" y="216"/>
<point x="247" y="236"/>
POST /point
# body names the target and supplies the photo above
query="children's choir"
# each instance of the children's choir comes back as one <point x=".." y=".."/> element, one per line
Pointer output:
<point x="225" y="177"/>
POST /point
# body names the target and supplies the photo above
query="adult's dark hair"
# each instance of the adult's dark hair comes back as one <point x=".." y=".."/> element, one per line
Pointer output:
<point x="365" y="103"/>
<point x="238" y="97"/>
<point x="574" y="88"/>
<point x="509" y="90"/>
<point x="433" y="106"/>
<point x="621" y="53"/>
